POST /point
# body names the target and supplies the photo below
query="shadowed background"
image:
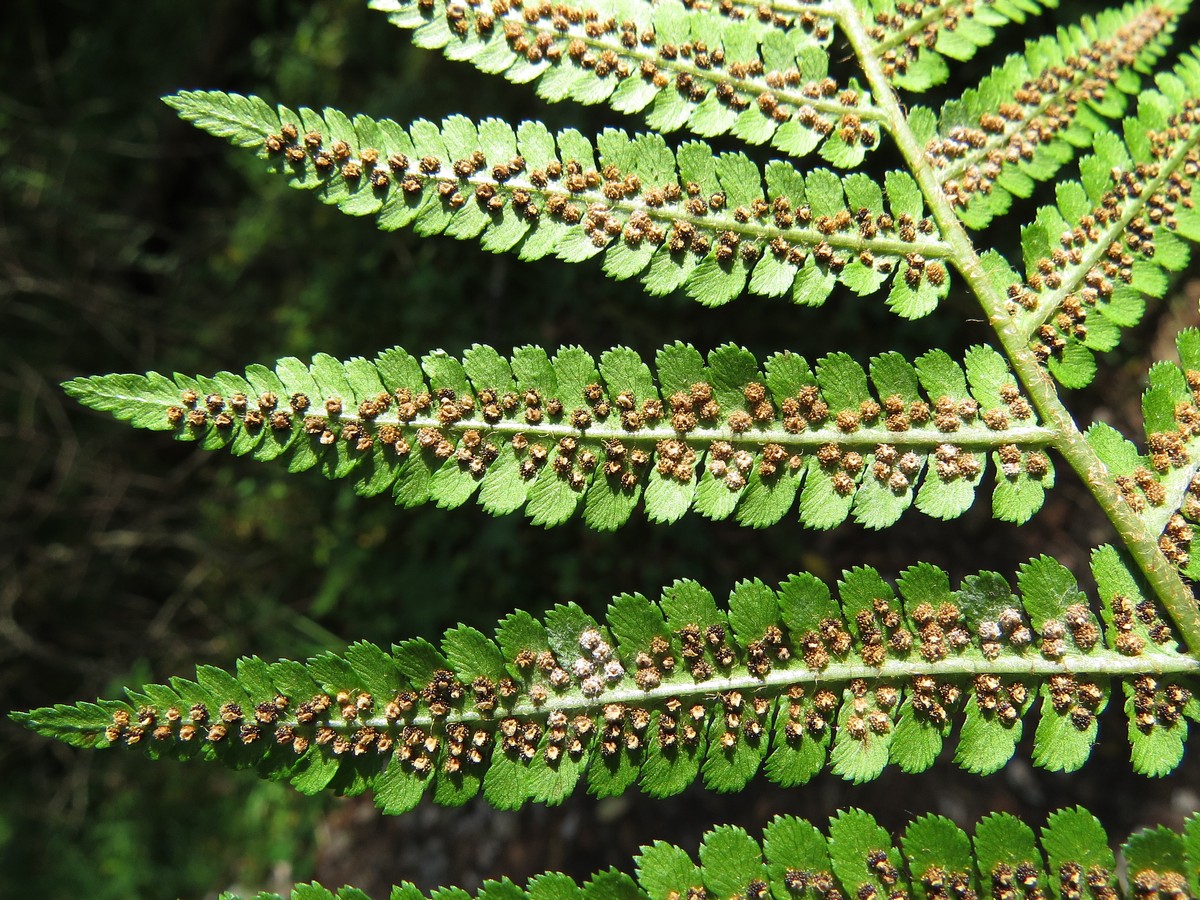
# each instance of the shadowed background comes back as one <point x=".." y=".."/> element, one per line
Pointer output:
<point x="130" y="242"/>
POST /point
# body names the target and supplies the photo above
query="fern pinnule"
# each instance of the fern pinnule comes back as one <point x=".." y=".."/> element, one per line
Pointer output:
<point x="1162" y="484"/>
<point x="680" y="67"/>
<point x="909" y="40"/>
<point x="913" y="41"/>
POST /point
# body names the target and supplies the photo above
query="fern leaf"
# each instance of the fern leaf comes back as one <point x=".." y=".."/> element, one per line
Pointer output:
<point x="1026" y="119"/>
<point x="726" y="436"/>
<point x="1112" y="238"/>
<point x="1161" y="485"/>
<point x="911" y="41"/>
<point x="691" y="219"/>
<point x="932" y="858"/>
<point x="788" y="681"/>
<point x="678" y="66"/>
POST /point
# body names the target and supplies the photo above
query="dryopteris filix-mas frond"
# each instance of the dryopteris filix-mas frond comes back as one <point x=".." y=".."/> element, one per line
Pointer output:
<point x="787" y="681"/>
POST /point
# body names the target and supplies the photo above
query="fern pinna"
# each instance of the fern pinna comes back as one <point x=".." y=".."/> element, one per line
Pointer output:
<point x="789" y="680"/>
<point x="724" y="436"/>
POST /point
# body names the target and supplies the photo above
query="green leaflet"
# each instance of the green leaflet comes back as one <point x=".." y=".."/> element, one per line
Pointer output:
<point x="931" y="857"/>
<point x="726" y="436"/>
<point x="982" y="150"/>
<point x="912" y="43"/>
<point x="952" y="31"/>
<point x="1112" y="238"/>
<point x="692" y="219"/>
<point x="1161" y="485"/>
<point x="789" y="681"/>
<point x="628" y="55"/>
<point x="1075" y="845"/>
<point x="1132" y="622"/>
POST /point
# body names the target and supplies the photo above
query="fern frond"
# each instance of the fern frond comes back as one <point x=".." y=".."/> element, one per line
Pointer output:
<point x="1112" y="239"/>
<point x="724" y="437"/>
<point x="680" y="67"/>
<point x="1028" y="117"/>
<point x="786" y="680"/>
<point x="692" y="219"/>
<point x="933" y="858"/>
<point x="1162" y="484"/>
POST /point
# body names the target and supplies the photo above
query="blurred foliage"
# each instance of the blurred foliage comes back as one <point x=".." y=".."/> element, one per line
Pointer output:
<point x="130" y="242"/>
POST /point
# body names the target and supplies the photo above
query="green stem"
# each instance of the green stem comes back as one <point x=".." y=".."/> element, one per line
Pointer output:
<point x="1140" y="542"/>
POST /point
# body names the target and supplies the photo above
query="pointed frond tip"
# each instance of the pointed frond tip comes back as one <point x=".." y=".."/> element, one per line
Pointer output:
<point x="1113" y="238"/>
<point x="723" y="436"/>
<point x="856" y="857"/>
<point x="1031" y="115"/>
<point x="1163" y="484"/>
<point x="680" y="67"/>
<point x="687" y="219"/>
<point x="788" y="680"/>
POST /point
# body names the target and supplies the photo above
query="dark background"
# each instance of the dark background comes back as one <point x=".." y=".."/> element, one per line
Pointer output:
<point x="131" y="242"/>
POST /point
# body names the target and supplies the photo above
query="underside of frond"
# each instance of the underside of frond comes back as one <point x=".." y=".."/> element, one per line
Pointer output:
<point x="689" y="219"/>
<point x="787" y="681"/>
<point x="1114" y="237"/>
<point x="856" y="857"/>
<point x="1163" y="484"/>
<point x="911" y="41"/>
<point x="680" y="67"/>
<point x="723" y="436"/>
<point x="1032" y="114"/>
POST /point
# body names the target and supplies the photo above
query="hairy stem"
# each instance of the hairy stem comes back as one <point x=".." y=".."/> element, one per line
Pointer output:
<point x="1139" y="541"/>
